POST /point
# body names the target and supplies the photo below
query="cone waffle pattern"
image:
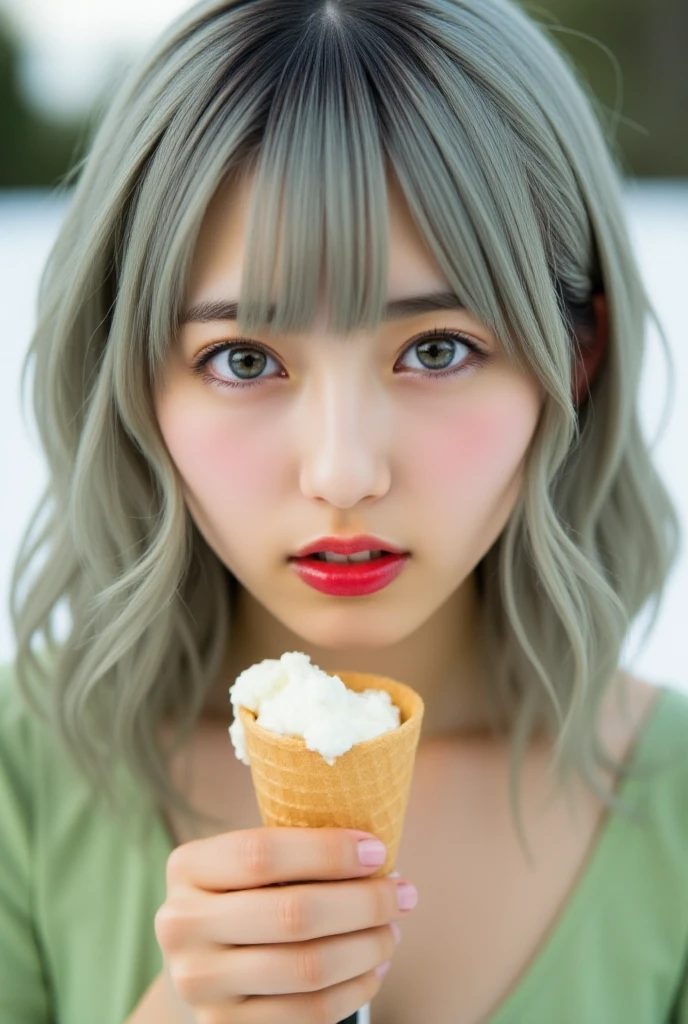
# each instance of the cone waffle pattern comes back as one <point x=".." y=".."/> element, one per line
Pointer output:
<point x="366" y="788"/>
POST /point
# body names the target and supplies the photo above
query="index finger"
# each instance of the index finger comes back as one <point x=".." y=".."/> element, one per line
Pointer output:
<point x="251" y="858"/>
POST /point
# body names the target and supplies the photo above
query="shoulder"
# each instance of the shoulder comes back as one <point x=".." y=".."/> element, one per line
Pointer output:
<point x="31" y="759"/>
<point x="16" y="717"/>
<point x="41" y="780"/>
<point x="653" y="745"/>
<point x="633" y="705"/>
<point x="22" y="741"/>
<point x="17" y="777"/>
<point x="9" y="697"/>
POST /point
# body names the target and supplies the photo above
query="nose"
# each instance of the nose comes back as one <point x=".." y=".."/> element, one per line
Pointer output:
<point x="345" y="447"/>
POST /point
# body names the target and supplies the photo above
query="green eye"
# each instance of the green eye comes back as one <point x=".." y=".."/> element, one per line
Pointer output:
<point x="439" y="346"/>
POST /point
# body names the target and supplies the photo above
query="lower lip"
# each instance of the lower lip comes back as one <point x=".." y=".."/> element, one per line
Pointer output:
<point x="350" y="579"/>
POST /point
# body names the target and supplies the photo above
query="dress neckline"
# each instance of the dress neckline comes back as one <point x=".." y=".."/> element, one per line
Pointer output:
<point x="591" y="874"/>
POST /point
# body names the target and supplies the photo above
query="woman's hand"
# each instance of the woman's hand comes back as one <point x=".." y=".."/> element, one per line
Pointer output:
<point x="276" y="924"/>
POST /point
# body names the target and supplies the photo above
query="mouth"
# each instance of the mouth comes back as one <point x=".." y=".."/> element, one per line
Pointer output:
<point x="338" y="548"/>
<point x="334" y="559"/>
<point x="351" y="576"/>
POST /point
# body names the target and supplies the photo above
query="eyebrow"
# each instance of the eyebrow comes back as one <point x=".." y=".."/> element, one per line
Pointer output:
<point x="218" y="309"/>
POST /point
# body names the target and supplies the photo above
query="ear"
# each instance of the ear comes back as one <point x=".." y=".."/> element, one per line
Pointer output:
<point x="592" y="349"/>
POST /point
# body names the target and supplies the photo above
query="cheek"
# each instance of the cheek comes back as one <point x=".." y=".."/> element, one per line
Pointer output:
<point x="214" y="459"/>
<point x="478" y="448"/>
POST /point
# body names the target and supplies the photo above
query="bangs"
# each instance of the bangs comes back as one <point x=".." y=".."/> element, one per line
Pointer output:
<point x="346" y="105"/>
<point x="332" y="144"/>
<point x="318" y="218"/>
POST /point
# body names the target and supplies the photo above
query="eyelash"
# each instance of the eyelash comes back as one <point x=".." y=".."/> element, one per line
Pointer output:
<point x="478" y="358"/>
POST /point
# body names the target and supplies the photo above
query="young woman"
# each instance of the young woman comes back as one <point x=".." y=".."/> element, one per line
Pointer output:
<point x="344" y="271"/>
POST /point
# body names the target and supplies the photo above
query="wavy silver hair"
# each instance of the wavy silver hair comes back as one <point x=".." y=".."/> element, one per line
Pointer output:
<point x="508" y="174"/>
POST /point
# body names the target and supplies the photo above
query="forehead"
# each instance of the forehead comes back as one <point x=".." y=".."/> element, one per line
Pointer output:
<point x="217" y="262"/>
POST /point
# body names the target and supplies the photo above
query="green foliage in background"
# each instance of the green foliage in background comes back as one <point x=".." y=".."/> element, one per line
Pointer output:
<point x="630" y="53"/>
<point x="35" y="152"/>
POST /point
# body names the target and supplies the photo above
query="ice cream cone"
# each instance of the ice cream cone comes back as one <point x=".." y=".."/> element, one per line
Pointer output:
<point x="366" y="788"/>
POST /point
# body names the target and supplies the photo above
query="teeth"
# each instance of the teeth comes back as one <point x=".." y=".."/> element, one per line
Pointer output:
<point x="329" y="556"/>
<point x="363" y="556"/>
<point x="360" y="556"/>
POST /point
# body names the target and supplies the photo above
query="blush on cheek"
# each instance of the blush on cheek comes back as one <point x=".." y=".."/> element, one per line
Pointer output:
<point x="220" y="458"/>
<point x="478" y="446"/>
<point x="230" y="475"/>
<point x="212" y="453"/>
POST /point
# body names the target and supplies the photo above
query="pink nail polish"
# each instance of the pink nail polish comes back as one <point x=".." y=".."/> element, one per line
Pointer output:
<point x="407" y="894"/>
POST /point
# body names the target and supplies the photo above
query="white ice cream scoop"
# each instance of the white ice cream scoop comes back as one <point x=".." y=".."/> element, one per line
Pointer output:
<point x="293" y="697"/>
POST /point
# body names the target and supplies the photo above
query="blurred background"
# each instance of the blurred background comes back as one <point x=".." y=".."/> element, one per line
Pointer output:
<point x="60" y="61"/>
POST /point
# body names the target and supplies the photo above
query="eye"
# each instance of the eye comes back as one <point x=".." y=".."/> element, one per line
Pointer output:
<point x="436" y="352"/>
<point x="246" y="360"/>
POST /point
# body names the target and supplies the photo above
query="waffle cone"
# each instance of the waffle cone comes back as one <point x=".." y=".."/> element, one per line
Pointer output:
<point x="366" y="788"/>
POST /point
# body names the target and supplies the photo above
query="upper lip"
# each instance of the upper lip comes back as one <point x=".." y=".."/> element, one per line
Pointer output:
<point x="348" y="546"/>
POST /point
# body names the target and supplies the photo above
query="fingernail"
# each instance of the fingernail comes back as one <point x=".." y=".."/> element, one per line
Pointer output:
<point x="407" y="895"/>
<point x="383" y="968"/>
<point x="396" y="931"/>
<point x="371" y="852"/>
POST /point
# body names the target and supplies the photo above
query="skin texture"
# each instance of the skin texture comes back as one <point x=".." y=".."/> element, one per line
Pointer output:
<point x="350" y="438"/>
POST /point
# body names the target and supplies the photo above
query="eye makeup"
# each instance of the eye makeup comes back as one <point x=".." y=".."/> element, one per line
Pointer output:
<point x="478" y="356"/>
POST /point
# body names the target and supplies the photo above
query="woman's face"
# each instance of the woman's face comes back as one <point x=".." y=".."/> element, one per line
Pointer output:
<point x="363" y="436"/>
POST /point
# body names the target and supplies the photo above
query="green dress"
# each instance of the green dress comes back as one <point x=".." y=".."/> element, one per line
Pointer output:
<point x="78" y="894"/>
